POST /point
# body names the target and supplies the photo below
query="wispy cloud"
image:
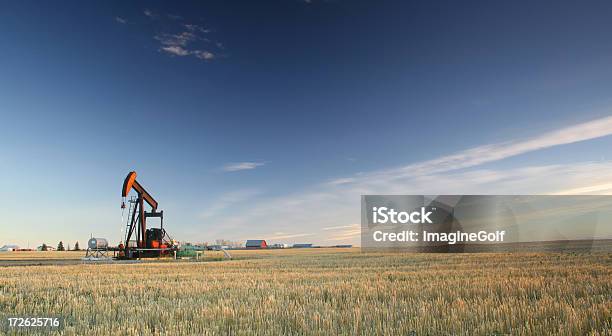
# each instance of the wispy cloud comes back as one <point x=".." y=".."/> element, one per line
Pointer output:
<point x="205" y="55"/>
<point x="346" y="235"/>
<point x="181" y="39"/>
<point x="495" y="152"/>
<point x="175" y="50"/>
<point x="149" y="13"/>
<point x="187" y="42"/>
<point x="178" y="37"/>
<point x="333" y="207"/>
<point x="595" y="189"/>
<point x="232" y="167"/>
<point x="341" y="227"/>
<point x="180" y="51"/>
<point x="342" y="180"/>
<point x="283" y="235"/>
<point x="228" y="200"/>
<point x="196" y="28"/>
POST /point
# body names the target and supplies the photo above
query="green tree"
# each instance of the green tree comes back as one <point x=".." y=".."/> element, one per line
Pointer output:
<point x="43" y="247"/>
<point x="76" y="246"/>
<point x="60" y="246"/>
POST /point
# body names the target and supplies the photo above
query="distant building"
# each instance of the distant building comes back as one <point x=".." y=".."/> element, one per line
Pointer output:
<point x="49" y="248"/>
<point x="302" y="245"/>
<point x="9" y="248"/>
<point x="256" y="244"/>
<point x="343" y="246"/>
<point x="277" y="246"/>
<point x="218" y="247"/>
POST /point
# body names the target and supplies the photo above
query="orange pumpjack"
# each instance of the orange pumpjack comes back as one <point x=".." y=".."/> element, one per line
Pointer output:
<point x="152" y="242"/>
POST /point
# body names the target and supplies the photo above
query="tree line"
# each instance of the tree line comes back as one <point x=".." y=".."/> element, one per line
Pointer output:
<point x="60" y="247"/>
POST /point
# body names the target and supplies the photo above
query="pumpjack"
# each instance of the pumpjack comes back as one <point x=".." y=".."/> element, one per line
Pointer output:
<point x="149" y="242"/>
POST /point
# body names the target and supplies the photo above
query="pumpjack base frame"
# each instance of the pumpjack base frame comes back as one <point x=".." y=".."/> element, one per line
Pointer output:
<point x="138" y="253"/>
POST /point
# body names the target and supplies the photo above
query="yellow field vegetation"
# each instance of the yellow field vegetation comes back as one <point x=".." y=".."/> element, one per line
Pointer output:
<point x="323" y="292"/>
<point x="19" y="255"/>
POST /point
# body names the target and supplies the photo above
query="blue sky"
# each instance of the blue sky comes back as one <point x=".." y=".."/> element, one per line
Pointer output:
<point x="252" y="119"/>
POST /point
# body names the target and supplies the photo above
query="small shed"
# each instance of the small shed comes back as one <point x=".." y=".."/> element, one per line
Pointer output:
<point x="256" y="244"/>
<point x="8" y="248"/>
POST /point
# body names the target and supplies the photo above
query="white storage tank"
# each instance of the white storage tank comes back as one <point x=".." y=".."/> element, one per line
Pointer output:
<point x="97" y="243"/>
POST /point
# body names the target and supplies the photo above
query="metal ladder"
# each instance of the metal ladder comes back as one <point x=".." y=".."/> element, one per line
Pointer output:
<point x="131" y="201"/>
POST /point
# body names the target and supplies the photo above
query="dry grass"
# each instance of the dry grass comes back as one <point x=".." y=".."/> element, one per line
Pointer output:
<point x="19" y="255"/>
<point x="322" y="292"/>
